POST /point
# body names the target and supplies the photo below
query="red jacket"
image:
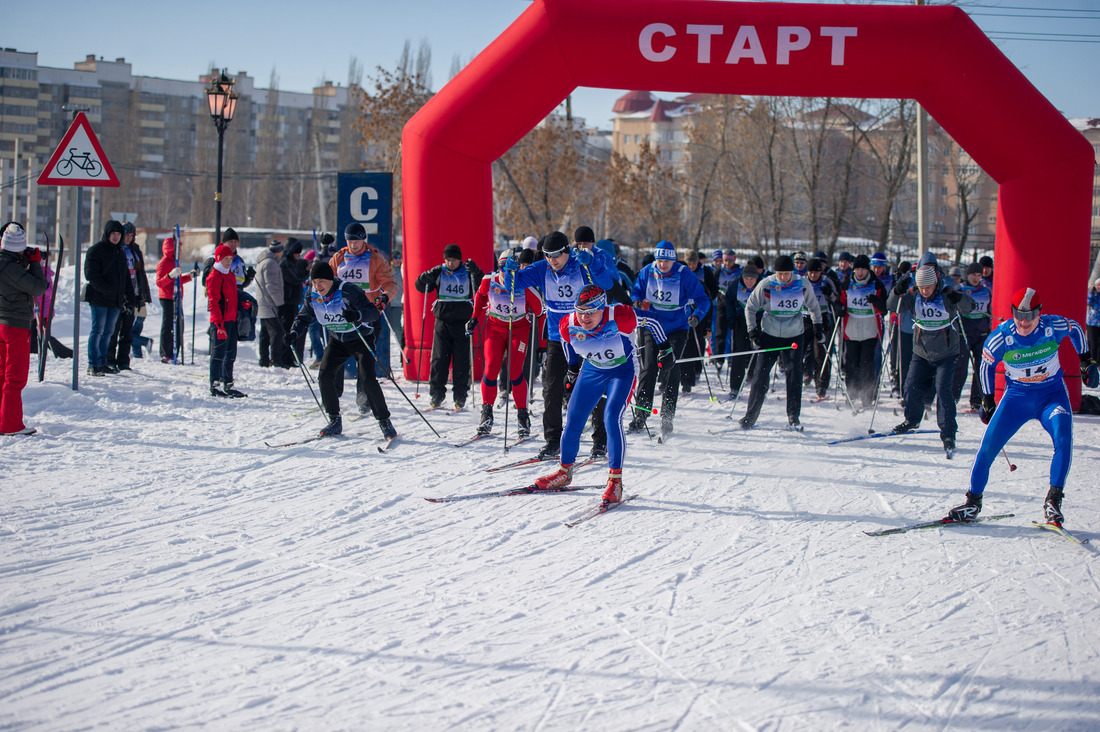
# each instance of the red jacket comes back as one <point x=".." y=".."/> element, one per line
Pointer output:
<point x="165" y="284"/>
<point x="221" y="292"/>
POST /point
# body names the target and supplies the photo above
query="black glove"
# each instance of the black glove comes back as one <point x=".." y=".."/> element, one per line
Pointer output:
<point x="352" y="315"/>
<point x="819" y="332"/>
<point x="1090" y="374"/>
<point x="571" y="374"/>
<point x="250" y="272"/>
<point x="755" y="336"/>
<point x="902" y="286"/>
<point x="470" y="326"/>
<point x="693" y="321"/>
<point x="382" y="301"/>
<point x="987" y="409"/>
<point x="290" y="338"/>
<point x="952" y="296"/>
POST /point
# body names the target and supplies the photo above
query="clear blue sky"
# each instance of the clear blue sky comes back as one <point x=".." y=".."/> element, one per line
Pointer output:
<point x="306" y="42"/>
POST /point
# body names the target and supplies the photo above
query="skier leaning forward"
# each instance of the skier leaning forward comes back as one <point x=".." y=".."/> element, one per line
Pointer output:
<point x="601" y="360"/>
<point x="1034" y="389"/>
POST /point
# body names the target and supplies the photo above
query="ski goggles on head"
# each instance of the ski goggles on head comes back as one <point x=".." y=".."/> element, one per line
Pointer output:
<point x="1026" y="315"/>
<point x="593" y="306"/>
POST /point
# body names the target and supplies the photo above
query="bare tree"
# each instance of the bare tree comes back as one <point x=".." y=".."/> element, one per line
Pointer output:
<point x="538" y="187"/>
<point x="967" y="176"/>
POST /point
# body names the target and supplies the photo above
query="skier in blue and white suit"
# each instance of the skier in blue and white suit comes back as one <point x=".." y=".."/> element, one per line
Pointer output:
<point x="1034" y="389"/>
<point x="672" y="294"/>
<point x="560" y="277"/>
<point x="602" y="337"/>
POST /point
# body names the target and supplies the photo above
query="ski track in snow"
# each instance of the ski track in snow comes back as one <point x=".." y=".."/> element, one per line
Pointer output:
<point x="162" y="568"/>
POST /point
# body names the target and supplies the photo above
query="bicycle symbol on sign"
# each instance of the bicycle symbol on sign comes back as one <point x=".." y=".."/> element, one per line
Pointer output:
<point x="83" y="162"/>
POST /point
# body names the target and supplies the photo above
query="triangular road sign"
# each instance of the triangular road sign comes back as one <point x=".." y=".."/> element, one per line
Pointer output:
<point x="79" y="160"/>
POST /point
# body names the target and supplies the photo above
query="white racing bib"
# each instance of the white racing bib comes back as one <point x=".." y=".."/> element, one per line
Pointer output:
<point x="503" y="306"/>
<point x="787" y="300"/>
<point x="931" y="314"/>
<point x="561" y="290"/>
<point x="454" y="286"/>
<point x="604" y="349"/>
<point x="329" y="311"/>
<point x="356" y="270"/>
<point x="663" y="293"/>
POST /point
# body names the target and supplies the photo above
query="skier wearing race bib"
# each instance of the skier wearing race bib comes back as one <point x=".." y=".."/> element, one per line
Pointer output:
<point x="697" y="336"/>
<point x="862" y="302"/>
<point x="455" y="281"/>
<point x="976" y="326"/>
<point x="816" y="366"/>
<point x="502" y="312"/>
<point x="364" y="266"/>
<point x="737" y="295"/>
<point x="936" y="308"/>
<point x="350" y="319"/>
<point x="672" y="294"/>
<point x="1035" y="388"/>
<point x="728" y="273"/>
<point x="779" y="300"/>
<point x="561" y="276"/>
<point x="602" y="360"/>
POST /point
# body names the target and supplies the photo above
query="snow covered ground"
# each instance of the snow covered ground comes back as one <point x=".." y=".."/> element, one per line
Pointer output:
<point x="162" y="568"/>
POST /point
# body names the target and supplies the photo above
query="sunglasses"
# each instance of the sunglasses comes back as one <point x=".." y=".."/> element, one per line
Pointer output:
<point x="555" y="255"/>
<point x="1025" y="315"/>
<point x="588" y="311"/>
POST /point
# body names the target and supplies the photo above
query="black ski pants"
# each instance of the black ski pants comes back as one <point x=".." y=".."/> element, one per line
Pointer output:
<point x="166" y="307"/>
<point x="760" y="377"/>
<point x="330" y="377"/>
<point x="450" y="350"/>
<point x="657" y="361"/>
<point x="859" y="370"/>
<point x="928" y="377"/>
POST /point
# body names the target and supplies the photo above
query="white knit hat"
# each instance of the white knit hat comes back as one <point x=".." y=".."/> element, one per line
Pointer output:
<point x="14" y="239"/>
<point x="925" y="276"/>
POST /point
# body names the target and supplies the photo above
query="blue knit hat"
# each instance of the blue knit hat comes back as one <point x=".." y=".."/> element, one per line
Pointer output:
<point x="878" y="259"/>
<point x="665" y="250"/>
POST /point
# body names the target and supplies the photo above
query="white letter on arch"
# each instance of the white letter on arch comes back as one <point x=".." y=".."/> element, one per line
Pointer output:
<point x="838" y="34"/>
<point x="791" y="38"/>
<point x="704" y="32"/>
<point x="746" y="45"/>
<point x="645" y="42"/>
<point x="357" y="211"/>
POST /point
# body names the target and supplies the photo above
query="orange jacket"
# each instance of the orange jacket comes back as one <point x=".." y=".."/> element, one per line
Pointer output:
<point x="379" y="276"/>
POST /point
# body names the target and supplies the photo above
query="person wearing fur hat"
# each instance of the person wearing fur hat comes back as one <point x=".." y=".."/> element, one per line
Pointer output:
<point x="862" y="305"/>
<point x="1035" y="388"/>
<point x="936" y="308"/>
<point x="167" y="275"/>
<point x="350" y="319"/>
<point x="773" y="315"/>
<point x="270" y="294"/>
<point x="221" y="295"/>
<point x="456" y="282"/>
<point x="137" y="294"/>
<point x="975" y="327"/>
<point x="21" y="280"/>
<point x="108" y="276"/>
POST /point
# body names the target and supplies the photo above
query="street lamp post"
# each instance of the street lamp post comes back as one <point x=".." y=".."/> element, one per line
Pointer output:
<point x="223" y="103"/>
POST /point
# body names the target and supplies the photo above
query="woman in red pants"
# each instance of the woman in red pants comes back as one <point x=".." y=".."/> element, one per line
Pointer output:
<point x="21" y="280"/>
<point x="502" y="309"/>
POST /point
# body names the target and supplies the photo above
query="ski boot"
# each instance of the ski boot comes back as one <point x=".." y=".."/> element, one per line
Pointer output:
<point x="460" y="404"/>
<point x="231" y="392"/>
<point x="486" y="425"/>
<point x="904" y="427"/>
<point x="215" y="391"/>
<point x="388" y="430"/>
<point x="614" y="491"/>
<point x="637" y="423"/>
<point x="746" y="422"/>
<point x="560" y="478"/>
<point x="967" y="511"/>
<point x="523" y="417"/>
<point x="551" y="449"/>
<point x="334" y="427"/>
<point x="599" y="450"/>
<point x="1052" y="507"/>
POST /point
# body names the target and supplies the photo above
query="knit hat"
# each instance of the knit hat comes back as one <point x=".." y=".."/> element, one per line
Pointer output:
<point x="591" y="297"/>
<point x="845" y="257"/>
<point x="531" y="243"/>
<point x="327" y="239"/>
<point x="310" y="255"/>
<point x="665" y="250"/>
<point x="750" y="270"/>
<point x="925" y="276"/>
<point x="584" y="234"/>
<point x="862" y="262"/>
<point x="973" y="268"/>
<point x="230" y="235"/>
<point x="275" y="247"/>
<point x="222" y="251"/>
<point x="128" y="228"/>
<point x="555" y="244"/>
<point x="355" y="230"/>
<point x="14" y="239"/>
<point x="986" y="261"/>
<point x="822" y="256"/>
<point x="799" y="256"/>
<point x="783" y="263"/>
<point x="527" y="256"/>
<point x="878" y="259"/>
<point x="1026" y="304"/>
<point x="956" y="272"/>
<point x="451" y="251"/>
<point x="321" y="271"/>
<point x="716" y="254"/>
<point x="815" y="265"/>
<point x="758" y="261"/>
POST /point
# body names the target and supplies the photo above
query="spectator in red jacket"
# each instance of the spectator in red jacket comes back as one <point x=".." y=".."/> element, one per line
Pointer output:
<point x="221" y="294"/>
<point x="167" y="272"/>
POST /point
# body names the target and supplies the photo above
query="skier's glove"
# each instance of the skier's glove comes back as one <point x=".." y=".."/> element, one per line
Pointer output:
<point x="352" y="315"/>
<point x="902" y="286"/>
<point x="174" y="273"/>
<point x="755" y="338"/>
<point x="31" y="254"/>
<point x="511" y="264"/>
<point x="470" y="326"/>
<point x="641" y="304"/>
<point x="693" y="321"/>
<point x="382" y="301"/>
<point x="571" y="374"/>
<point x="290" y="338"/>
<point x="220" y="332"/>
<point x="987" y="409"/>
<point x="1090" y="374"/>
<point x="819" y="332"/>
<point x="584" y="257"/>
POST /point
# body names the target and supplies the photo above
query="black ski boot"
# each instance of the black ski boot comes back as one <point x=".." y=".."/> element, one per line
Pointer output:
<point x="523" y="417"/>
<point x="231" y="392"/>
<point x="1052" y="507"/>
<point x="334" y="427"/>
<point x="551" y="450"/>
<point x="486" y="425"/>
<point x="637" y="423"/>
<point x="967" y="511"/>
<point x="904" y="427"/>
<point x="215" y="391"/>
<point x="599" y="450"/>
<point x="388" y="430"/>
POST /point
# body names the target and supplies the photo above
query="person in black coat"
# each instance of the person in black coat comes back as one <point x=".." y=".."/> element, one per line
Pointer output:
<point x="137" y="294"/>
<point x="295" y="278"/>
<point x="108" y="281"/>
<point x="456" y="281"/>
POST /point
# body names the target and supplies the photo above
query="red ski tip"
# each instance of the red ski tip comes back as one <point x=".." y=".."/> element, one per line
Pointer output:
<point x="794" y="346"/>
<point x="655" y="411"/>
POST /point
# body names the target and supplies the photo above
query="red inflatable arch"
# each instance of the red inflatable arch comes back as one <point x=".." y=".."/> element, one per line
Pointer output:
<point x="935" y="55"/>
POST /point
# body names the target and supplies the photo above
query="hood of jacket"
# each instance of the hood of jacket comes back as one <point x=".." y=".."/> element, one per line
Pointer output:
<point x="112" y="226"/>
<point x="168" y="248"/>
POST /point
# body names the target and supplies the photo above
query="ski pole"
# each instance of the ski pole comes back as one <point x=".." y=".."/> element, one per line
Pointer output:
<point x="420" y="345"/>
<point x="699" y="345"/>
<point x="194" y="307"/>
<point x="878" y="388"/>
<point x="829" y="350"/>
<point x="389" y="375"/>
<point x="794" y="345"/>
<point x="1011" y="467"/>
<point x="305" y="373"/>
<point x="177" y="310"/>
